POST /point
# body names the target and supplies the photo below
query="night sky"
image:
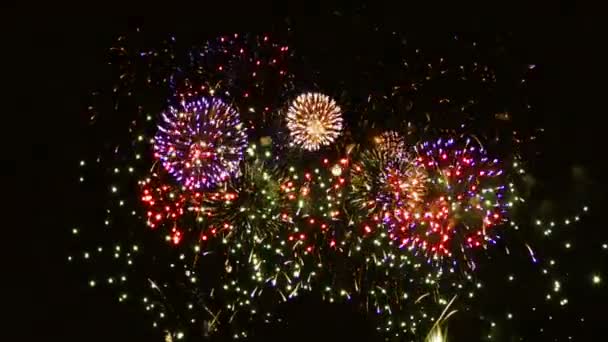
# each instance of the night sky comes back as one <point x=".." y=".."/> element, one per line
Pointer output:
<point x="57" y="63"/>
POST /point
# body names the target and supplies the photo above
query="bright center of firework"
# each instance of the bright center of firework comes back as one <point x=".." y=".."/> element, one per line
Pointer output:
<point x="391" y="145"/>
<point x="407" y="185"/>
<point x="200" y="153"/>
<point x="316" y="130"/>
<point x="201" y="143"/>
<point x="314" y="120"/>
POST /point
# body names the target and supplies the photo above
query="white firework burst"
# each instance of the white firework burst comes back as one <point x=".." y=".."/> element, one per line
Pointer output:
<point x="314" y="120"/>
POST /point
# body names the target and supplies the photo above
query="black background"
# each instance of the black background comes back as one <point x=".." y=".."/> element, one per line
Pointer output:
<point x="53" y="55"/>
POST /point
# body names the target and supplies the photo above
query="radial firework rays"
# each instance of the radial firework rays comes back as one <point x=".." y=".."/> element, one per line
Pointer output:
<point x="384" y="170"/>
<point x="314" y="120"/>
<point x="445" y="198"/>
<point x="201" y="143"/>
<point x="253" y="206"/>
<point x="389" y="144"/>
<point x="405" y="182"/>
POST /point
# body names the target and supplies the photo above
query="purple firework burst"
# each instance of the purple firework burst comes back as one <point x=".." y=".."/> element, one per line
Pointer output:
<point x="200" y="143"/>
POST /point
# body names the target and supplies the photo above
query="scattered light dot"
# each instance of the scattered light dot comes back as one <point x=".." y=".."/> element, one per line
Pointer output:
<point x="596" y="279"/>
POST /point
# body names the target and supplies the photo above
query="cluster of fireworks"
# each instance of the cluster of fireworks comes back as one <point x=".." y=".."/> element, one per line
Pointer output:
<point x="441" y="197"/>
<point x="386" y="226"/>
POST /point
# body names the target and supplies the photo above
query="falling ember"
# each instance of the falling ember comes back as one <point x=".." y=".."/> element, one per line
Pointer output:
<point x="439" y="331"/>
<point x="531" y="253"/>
<point x="504" y="116"/>
<point x="176" y="236"/>
<point x="436" y="335"/>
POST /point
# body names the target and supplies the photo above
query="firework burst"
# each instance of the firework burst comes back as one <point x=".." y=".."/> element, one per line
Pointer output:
<point x="253" y="204"/>
<point x="314" y="120"/>
<point x="446" y="199"/>
<point x="201" y="143"/>
<point x="162" y="201"/>
<point x="174" y="208"/>
<point x="390" y="143"/>
<point x="378" y="169"/>
<point x="464" y="200"/>
<point x="252" y="70"/>
<point x="405" y="182"/>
